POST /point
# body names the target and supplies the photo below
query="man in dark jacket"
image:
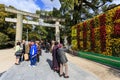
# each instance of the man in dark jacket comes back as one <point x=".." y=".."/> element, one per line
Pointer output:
<point x="62" y="59"/>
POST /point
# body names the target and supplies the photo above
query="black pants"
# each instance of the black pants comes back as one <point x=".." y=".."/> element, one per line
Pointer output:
<point x="22" y="57"/>
<point x="38" y="57"/>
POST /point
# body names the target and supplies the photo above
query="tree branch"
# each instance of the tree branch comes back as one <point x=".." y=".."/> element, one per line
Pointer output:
<point x="89" y="4"/>
<point x="92" y="5"/>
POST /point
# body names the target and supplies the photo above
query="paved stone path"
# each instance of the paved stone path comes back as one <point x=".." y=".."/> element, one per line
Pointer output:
<point x="43" y="71"/>
<point x="7" y="59"/>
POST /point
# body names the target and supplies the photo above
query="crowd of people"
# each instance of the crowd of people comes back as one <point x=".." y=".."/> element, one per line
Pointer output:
<point x="28" y="51"/>
<point x="31" y="51"/>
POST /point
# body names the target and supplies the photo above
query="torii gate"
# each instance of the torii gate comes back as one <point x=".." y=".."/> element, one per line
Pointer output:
<point x="20" y="22"/>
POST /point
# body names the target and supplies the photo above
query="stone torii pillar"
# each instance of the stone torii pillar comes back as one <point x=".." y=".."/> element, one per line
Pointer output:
<point x="19" y="27"/>
<point x="57" y="31"/>
<point x="57" y="26"/>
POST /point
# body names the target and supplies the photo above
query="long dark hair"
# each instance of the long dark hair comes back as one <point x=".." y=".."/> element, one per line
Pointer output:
<point x="18" y="43"/>
<point x="56" y="43"/>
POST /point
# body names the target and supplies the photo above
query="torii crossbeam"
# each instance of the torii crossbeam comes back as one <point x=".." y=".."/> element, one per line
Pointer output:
<point x="30" y="22"/>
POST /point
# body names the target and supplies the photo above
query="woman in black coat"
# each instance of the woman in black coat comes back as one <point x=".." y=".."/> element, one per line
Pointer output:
<point x="55" y="65"/>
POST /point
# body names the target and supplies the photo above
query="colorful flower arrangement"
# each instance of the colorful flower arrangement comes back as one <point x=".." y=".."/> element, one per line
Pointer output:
<point x="100" y="34"/>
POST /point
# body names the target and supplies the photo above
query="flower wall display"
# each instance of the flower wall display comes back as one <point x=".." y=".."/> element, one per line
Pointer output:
<point x="100" y="34"/>
<point x="78" y="36"/>
<point x="103" y="32"/>
<point x="84" y="35"/>
<point x="92" y="35"/>
<point x="116" y="19"/>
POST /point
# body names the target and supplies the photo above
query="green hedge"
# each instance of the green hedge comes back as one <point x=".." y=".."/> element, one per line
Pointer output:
<point x="107" y="60"/>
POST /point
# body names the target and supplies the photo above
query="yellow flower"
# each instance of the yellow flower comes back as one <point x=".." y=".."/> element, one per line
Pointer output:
<point x="110" y="41"/>
<point x="74" y="31"/>
<point x="117" y="21"/>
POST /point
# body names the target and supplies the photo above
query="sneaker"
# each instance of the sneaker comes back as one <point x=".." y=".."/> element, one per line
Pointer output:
<point x="33" y="66"/>
<point x="29" y="65"/>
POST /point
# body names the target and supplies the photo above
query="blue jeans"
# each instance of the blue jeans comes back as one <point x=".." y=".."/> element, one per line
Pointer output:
<point x="33" y="61"/>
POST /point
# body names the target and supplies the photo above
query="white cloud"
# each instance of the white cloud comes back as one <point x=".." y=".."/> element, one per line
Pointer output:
<point x="50" y="4"/>
<point x="116" y="1"/>
<point x="25" y="5"/>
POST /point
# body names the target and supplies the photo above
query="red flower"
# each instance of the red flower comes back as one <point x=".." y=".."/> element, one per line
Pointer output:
<point x="78" y="36"/>
<point x="92" y="35"/>
<point x="103" y="32"/>
<point x="117" y="25"/>
<point x="84" y="35"/>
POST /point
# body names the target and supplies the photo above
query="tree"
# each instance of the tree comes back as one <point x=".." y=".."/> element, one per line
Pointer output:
<point x="75" y="11"/>
<point x="6" y="28"/>
<point x="3" y="37"/>
<point x="82" y="9"/>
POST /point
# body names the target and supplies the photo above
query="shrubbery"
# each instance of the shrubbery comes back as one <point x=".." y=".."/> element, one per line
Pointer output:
<point x="4" y="43"/>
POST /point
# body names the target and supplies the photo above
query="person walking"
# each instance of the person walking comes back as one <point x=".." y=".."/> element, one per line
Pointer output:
<point x="23" y="50"/>
<point x="55" y="65"/>
<point x="27" y="51"/>
<point x="62" y="59"/>
<point x="33" y="53"/>
<point x="18" y="48"/>
<point x="39" y="50"/>
<point x="47" y="46"/>
<point x="52" y="45"/>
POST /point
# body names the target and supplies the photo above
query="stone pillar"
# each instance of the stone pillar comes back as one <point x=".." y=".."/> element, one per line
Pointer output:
<point x="19" y="27"/>
<point x="57" y="31"/>
<point x="65" y="42"/>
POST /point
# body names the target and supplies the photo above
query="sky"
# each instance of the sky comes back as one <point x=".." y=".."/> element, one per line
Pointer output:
<point x="33" y="5"/>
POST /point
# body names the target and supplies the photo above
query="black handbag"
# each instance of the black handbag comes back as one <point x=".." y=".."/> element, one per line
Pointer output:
<point x="18" y="53"/>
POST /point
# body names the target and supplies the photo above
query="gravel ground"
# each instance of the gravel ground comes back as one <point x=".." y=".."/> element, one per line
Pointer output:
<point x="7" y="59"/>
<point x="101" y="71"/>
